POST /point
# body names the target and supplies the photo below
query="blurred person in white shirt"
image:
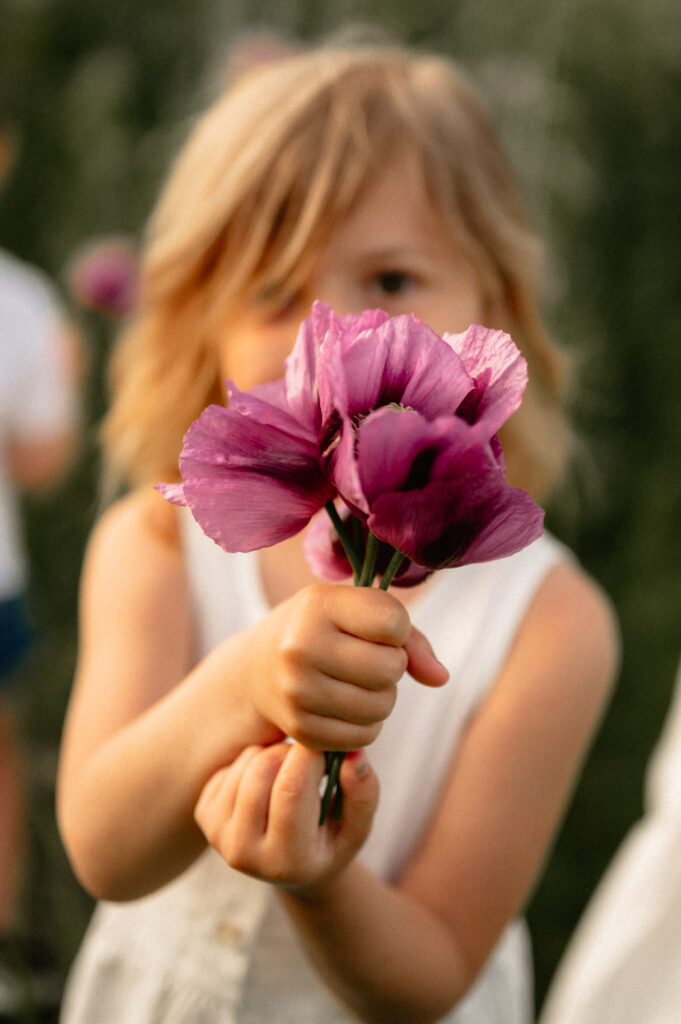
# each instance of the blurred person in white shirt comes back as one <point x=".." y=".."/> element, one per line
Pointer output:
<point x="39" y="371"/>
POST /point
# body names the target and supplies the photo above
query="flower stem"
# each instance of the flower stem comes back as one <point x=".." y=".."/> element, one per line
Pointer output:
<point x="366" y="577"/>
<point x="364" y="573"/>
<point x="344" y="538"/>
<point x="334" y="760"/>
<point x="393" y="565"/>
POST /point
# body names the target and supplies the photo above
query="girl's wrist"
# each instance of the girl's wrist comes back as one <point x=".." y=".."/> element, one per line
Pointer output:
<point x="219" y="736"/>
<point x="323" y="893"/>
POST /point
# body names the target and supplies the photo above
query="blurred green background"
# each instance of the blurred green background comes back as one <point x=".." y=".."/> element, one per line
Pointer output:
<point x="586" y="96"/>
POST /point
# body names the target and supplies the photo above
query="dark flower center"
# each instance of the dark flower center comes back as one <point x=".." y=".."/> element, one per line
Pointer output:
<point x="452" y="543"/>
<point x="330" y="437"/>
<point x="468" y="409"/>
<point x="420" y="470"/>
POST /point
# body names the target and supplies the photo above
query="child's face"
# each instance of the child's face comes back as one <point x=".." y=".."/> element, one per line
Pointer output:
<point x="389" y="253"/>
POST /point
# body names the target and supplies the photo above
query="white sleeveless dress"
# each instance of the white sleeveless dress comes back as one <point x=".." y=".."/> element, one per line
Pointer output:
<point x="214" y="946"/>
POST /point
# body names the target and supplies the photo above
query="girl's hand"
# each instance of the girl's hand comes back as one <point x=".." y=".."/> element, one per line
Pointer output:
<point x="260" y="813"/>
<point x="324" y="665"/>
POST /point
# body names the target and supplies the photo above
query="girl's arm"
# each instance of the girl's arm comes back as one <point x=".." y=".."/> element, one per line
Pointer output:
<point x="131" y="751"/>
<point x="145" y="730"/>
<point x="408" y="953"/>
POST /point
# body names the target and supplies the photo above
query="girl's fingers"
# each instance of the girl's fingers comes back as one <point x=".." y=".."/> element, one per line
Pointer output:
<point x="313" y="852"/>
<point x="294" y="808"/>
<point x="250" y="815"/>
<point x="360" y="788"/>
<point x="218" y="796"/>
<point x="261" y="813"/>
<point x="335" y="698"/>
<point x="365" y="612"/>
<point x="325" y="733"/>
<point x="370" y="666"/>
<point x="422" y="662"/>
<point x="234" y="800"/>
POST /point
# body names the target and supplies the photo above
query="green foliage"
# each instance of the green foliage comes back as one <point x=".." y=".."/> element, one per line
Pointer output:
<point x="586" y="99"/>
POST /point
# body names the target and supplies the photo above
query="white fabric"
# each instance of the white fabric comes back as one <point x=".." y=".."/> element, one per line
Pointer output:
<point x="36" y="399"/>
<point x="623" y="965"/>
<point x="215" y="946"/>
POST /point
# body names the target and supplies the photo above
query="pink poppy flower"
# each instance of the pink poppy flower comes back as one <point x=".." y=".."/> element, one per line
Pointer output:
<point x="382" y="412"/>
<point x="436" y="490"/>
<point x="250" y="473"/>
<point x="409" y="437"/>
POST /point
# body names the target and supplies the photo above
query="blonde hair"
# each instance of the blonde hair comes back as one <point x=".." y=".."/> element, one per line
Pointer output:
<point x="266" y="175"/>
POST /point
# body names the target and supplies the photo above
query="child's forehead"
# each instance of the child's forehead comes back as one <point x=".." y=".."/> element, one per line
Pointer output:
<point x="393" y="211"/>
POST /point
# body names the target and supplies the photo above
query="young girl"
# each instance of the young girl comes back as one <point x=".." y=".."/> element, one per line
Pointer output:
<point x="364" y="179"/>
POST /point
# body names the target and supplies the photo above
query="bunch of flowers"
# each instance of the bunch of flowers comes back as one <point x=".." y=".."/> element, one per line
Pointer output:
<point x="387" y="427"/>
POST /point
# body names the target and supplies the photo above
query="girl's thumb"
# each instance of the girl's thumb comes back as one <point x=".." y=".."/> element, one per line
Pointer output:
<point x="422" y="663"/>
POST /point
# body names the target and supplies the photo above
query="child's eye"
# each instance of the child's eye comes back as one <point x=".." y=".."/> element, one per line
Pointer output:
<point x="393" y="282"/>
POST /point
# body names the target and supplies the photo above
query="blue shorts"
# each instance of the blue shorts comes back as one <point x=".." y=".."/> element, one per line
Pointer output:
<point x="16" y="636"/>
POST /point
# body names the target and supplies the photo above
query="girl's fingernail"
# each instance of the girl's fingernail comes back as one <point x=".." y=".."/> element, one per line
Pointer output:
<point x="359" y="761"/>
